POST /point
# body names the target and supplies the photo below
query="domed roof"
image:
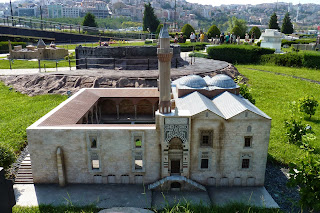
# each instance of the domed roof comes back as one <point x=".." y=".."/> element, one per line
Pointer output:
<point x="222" y="81"/>
<point x="193" y="81"/>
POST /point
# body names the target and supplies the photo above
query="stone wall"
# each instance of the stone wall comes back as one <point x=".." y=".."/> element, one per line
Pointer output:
<point x="114" y="149"/>
<point x="129" y="57"/>
<point x="225" y="155"/>
<point x="49" y="54"/>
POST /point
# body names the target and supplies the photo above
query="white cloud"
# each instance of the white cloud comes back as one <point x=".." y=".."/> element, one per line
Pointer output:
<point x="226" y="2"/>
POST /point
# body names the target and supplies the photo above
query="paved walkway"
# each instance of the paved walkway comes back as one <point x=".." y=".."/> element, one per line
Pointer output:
<point x="116" y="195"/>
<point x="199" y="66"/>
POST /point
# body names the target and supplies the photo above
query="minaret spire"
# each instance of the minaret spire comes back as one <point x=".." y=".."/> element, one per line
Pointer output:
<point x="164" y="60"/>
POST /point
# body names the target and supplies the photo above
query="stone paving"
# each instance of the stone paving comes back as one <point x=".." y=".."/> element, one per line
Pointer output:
<point x="116" y="195"/>
<point x="199" y="66"/>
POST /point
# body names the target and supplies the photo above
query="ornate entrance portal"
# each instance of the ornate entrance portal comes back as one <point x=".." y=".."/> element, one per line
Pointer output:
<point x="175" y="156"/>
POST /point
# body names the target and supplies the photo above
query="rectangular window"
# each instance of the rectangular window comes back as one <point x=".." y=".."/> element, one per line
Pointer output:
<point x="245" y="163"/>
<point x="138" y="162"/>
<point x="93" y="142"/>
<point x="247" y="142"/>
<point x="95" y="164"/>
<point x="204" y="163"/>
<point x="206" y="138"/>
<point x="138" y="142"/>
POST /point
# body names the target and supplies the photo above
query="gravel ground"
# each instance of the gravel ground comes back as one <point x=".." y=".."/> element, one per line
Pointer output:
<point x="14" y="168"/>
<point x="275" y="183"/>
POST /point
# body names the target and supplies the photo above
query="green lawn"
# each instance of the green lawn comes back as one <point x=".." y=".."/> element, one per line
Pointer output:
<point x="186" y="208"/>
<point x="25" y="64"/>
<point x="273" y="93"/>
<point x="312" y="74"/>
<point x="18" y="111"/>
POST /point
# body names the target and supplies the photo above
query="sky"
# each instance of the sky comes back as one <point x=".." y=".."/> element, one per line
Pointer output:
<point x="226" y="2"/>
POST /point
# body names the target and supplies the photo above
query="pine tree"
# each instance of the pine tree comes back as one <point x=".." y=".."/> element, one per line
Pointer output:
<point x="273" y="22"/>
<point x="150" y="20"/>
<point x="89" y="20"/>
<point x="287" y="27"/>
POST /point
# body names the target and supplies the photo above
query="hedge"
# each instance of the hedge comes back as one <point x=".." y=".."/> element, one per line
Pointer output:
<point x="298" y="41"/>
<point x="187" y="47"/>
<point x="4" y="47"/>
<point x="305" y="59"/>
<point x="241" y="54"/>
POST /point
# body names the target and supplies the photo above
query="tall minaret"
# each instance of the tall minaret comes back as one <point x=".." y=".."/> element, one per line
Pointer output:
<point x="164" y="55"/>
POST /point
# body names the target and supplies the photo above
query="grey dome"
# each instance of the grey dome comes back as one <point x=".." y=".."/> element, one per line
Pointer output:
<point x="193" y="81"/>
<point x="222" y="81"/>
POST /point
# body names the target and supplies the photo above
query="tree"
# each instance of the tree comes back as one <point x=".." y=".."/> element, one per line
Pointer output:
<point x="273" y="22"/>
<point x="256" y="31"/>
<point x="159" y="28"/>
<point x="242" y="24"/>
<point x="287" y="27"/>
<point x="236" y="30"/>
<point x="308" y="105"/>
<point x="187" y="29"/>
<point x="150" y="20"/>
<point x="89" y="20"/>
<point x="213" y="31"/>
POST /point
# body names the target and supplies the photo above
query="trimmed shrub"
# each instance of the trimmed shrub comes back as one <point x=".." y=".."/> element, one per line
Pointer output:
<point x="213" y="31"/>
<point x="311" y="60"/>
<point x="7" y="156"/>
<point x="187" y="29"/>
<point x="242" y="54"/>
<point x="303" y="59"/>
<point x="187" y="47"/>
<point x="4" y="47"/>
<point x="287" y="60"/>
<point x="298" y="41"/>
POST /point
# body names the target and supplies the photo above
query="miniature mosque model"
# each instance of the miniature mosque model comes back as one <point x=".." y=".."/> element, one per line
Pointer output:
<point x="188" y="134"/>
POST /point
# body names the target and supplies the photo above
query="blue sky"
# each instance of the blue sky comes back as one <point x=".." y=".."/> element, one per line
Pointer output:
<point x="226" y="2"/>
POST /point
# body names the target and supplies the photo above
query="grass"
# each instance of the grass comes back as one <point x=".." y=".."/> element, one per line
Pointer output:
<point x="273" y="93"/>
<point x="312" y="74"/>
<point x="25" y="64"/>
<point x="18" y="111"/>
<point x="240" y="208"/>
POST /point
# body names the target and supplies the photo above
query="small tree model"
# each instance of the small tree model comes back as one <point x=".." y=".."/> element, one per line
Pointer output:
<point x="256" y="31"/>
<point x="287" y="27"/>
<point x="273" y="22"/>
<point x="150" y="20"/>
<point x="89" y="20"/>
<point x="187" y="29"/>
<point x="308" y="105"/>
<point x="213" y="31"/>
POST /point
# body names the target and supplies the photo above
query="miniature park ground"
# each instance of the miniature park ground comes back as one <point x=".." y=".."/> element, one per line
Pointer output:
<point x="273" y="93"/>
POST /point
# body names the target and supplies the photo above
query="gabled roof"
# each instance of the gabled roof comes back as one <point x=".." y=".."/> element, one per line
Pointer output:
<point x="225" y="105"/>
<point x="230" y="105"/>
<point x="196" y="103"/>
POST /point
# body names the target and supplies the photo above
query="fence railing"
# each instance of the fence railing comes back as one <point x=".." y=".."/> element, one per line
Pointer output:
<point x="30" y="23"/>
<point x="90" y="63"/>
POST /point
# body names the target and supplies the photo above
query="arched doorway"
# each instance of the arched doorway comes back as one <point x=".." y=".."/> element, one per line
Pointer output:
<point x="175" y="156"/>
